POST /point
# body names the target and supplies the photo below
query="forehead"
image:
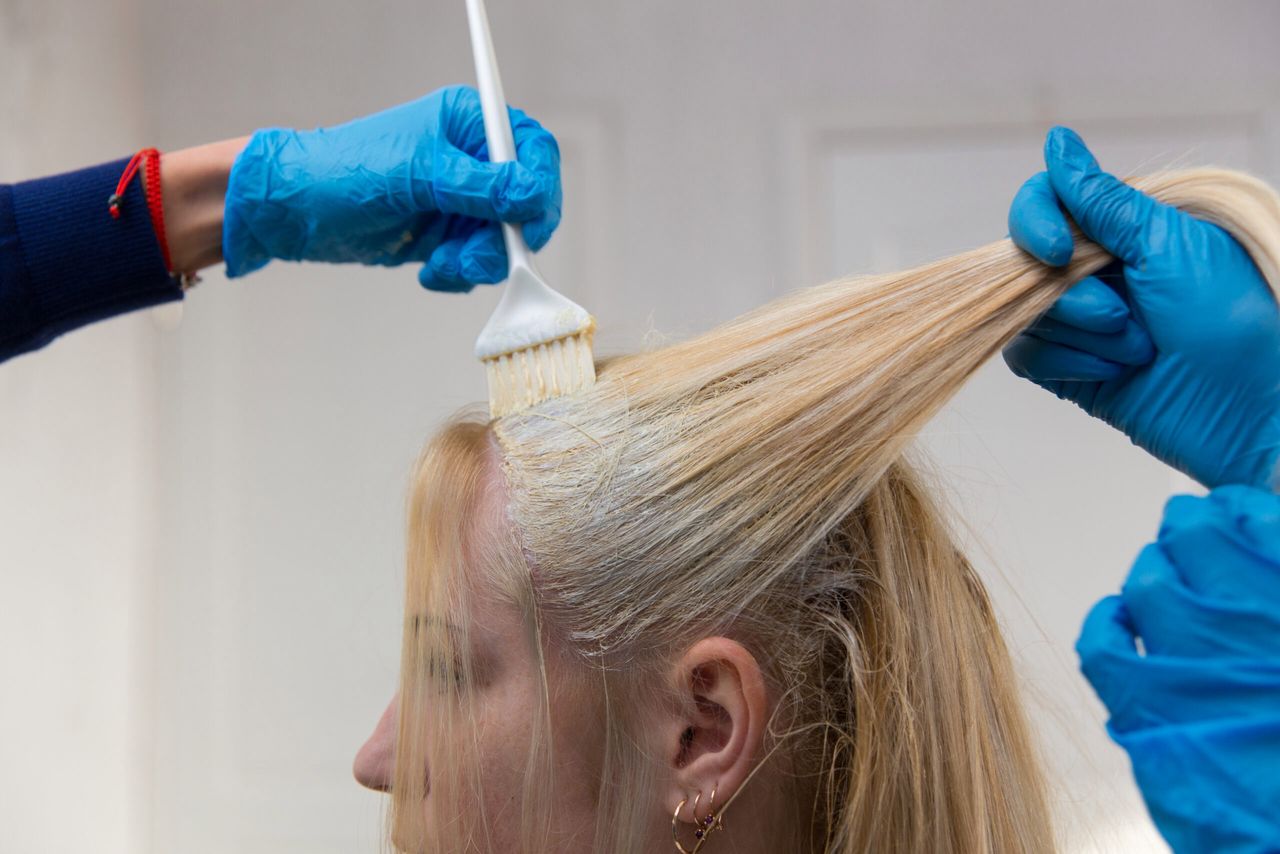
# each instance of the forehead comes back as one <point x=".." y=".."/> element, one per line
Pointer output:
<point x="494" y="573"/>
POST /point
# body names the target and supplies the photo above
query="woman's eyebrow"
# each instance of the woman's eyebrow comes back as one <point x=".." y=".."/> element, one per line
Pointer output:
<point x="433" y="620"/>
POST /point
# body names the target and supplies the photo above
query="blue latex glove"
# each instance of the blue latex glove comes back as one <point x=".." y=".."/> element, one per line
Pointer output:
<point x="1198" y="708"/>
<point x="1177" y="344"/>
<point x="412" y="183"/>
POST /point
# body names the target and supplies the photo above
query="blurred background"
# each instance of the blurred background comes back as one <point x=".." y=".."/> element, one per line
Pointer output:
<point x="201" y="510"/>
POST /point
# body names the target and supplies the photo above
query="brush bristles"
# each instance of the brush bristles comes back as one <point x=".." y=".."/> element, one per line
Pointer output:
<point x="527" y="377"/>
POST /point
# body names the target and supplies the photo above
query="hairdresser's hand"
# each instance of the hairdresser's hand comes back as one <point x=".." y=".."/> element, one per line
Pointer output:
<point x="1198" y="708"/>
<point x="1177" y="344"/>
<point x="412" y="183"/>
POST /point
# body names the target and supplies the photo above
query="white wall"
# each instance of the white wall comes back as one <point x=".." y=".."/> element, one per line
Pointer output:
<point x="78" y="477"/>
<point x="716" y="154"/>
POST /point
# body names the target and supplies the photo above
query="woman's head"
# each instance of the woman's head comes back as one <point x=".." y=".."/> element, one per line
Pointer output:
<point x="490" y="682"/>
<point x="715" y="569"/>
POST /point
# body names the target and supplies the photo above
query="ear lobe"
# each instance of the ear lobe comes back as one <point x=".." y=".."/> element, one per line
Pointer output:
<point x="716" y="732"/>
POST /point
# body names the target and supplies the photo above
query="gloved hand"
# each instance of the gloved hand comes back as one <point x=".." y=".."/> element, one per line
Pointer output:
<point x="1198" y="708"/>
<point x="1177" y="344"/>
<point x="412" y="183"/>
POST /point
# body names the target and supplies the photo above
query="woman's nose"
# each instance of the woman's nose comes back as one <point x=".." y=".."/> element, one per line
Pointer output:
<point x="374" y="761"/>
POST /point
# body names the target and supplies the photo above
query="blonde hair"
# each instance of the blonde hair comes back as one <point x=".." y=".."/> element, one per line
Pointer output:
<point x="751" y="482"/>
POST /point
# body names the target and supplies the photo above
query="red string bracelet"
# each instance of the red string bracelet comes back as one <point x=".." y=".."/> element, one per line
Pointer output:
<point x="149" y="159"/>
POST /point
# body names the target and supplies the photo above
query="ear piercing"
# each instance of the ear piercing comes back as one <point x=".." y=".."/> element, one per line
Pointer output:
<point x="702" y="827"/>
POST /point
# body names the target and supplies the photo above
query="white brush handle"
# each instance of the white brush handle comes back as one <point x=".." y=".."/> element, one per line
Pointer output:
<point x="497" y="123"/>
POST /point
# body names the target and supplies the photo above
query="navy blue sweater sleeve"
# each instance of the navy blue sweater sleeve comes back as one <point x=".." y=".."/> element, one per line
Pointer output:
<point x="65" y="262"/>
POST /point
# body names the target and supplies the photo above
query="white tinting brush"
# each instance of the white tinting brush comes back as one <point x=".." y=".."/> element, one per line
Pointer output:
<point x="537" y="344"/>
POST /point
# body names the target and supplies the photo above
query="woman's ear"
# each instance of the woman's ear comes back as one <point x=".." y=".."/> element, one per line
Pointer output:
<point x="713" y="734"/>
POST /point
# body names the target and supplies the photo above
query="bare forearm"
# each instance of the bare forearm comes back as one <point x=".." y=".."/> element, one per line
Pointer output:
<point x="194" y="184"/>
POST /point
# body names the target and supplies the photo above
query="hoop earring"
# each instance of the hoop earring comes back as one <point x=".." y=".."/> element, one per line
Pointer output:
<point x="703" y="828"/>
